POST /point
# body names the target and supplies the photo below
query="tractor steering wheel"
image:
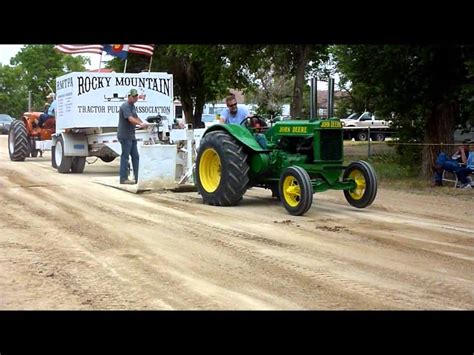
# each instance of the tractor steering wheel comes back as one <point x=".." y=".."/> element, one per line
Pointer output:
<point x="256" y="123"/>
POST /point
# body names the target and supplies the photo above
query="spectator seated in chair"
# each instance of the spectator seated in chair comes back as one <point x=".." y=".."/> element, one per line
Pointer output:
<point x="443" y="162"/>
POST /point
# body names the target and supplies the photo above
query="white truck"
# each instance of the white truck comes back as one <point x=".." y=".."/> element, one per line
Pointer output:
<point x="358" y="126"/>
<point x="464" y="134"/>
<point x="87" y="119"/>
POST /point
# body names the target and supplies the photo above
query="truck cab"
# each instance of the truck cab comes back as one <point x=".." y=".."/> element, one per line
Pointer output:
<point x="364" y="120"/>
<point x="357" y="126"/>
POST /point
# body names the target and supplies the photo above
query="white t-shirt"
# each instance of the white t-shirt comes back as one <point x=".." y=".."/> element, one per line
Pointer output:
<point x="238" y="118"/>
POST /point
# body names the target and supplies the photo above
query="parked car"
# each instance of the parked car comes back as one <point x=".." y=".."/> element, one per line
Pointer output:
<point x="5" y="122"/>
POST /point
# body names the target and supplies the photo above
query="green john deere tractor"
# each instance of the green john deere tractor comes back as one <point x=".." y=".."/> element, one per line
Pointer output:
<point x="294" y="159"/>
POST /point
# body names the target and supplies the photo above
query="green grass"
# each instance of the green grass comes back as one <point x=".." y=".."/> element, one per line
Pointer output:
<point x="394" y="176"/>
<point x="391" y="173"/>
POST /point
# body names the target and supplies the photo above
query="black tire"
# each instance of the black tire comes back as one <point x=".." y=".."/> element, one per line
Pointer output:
<point x="361" y="136"/>
<point x="364" y="196"/>
<point x="107" y="158"/>
<point x="221" y="169"/>
<point x="296" y="204"/>
<point x="78" y="164"/>
<point x="18" y="141"/>
<point x="379" y="137"/>
<point x="53" y="158"/>
<point x="33" y="150"/>
<point x="63" y="163"/>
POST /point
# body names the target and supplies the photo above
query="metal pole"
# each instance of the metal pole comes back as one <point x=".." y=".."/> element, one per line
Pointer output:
<point x="29" y="101"/>
<point x="125" y="67"/>
<point x="331" y="98"/>
<point x="100" y="61"/>
<point x="368" y="140"/>
<point x="151" y="60"/>
<point x="313" y="103"/>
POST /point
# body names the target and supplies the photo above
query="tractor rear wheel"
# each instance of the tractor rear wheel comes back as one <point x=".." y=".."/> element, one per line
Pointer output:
<point x="296" y="191"/>
<point x="18" y="141"/>
<point x="366" y="184"/>
<point x="221" y="169"/>
<point x="62" y="162"/>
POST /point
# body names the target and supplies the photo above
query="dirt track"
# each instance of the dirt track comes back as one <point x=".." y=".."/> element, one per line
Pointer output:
<point x="69" y="243"/>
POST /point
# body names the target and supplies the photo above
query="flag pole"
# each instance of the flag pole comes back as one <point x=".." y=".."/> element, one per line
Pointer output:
<point x="100" y="60"/>
<point x="151" y="60"/>
<point x="125" y="67"/>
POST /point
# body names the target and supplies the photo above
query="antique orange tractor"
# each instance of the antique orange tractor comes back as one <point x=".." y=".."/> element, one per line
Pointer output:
<point x="26" y="138"/>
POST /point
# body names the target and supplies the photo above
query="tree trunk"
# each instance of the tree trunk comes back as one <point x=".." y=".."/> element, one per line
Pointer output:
<point x="200" y="102"/>
<point x="188" y="107"/>
<point x="301" y="62"/>
<point x="439" y="131"/>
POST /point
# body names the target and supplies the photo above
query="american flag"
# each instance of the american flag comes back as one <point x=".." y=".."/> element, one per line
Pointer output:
<point x="79" y="48"/>
<point x="145" y="49"/>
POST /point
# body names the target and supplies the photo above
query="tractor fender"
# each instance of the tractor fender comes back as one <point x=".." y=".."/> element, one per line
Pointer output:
<point x="240" y="133"/>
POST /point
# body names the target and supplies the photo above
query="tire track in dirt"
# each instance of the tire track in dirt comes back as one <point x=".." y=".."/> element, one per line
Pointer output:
<point x="80" y="226"/>
<point x="64" y="245"/>
<point x="283" y="265"/>
<point x="440" y="287"/>
<point x="110" y="249"/>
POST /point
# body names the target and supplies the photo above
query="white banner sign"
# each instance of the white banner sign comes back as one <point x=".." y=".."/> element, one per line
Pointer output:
<point x="93" y="99"/>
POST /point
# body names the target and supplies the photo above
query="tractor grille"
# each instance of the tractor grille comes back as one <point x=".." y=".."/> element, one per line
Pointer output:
<point x="331" y="144"/>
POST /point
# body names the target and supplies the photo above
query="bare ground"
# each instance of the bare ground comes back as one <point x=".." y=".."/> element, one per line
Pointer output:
<point x="69" y="243"/>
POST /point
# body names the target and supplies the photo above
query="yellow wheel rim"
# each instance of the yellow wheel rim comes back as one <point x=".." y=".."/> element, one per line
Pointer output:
<point x="291" y="191"/>
<point x="210" y="170"/>
<point x="359" y="179"/>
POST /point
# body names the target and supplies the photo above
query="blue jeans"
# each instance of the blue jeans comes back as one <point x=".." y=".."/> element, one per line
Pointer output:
<point x="129" y="147"/>
<point x="42" y="119"/>
<point x="463" y="173"/>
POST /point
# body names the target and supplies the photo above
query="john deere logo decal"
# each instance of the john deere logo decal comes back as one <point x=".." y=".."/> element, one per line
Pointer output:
<point x="296" y="129"/>
<point x="331" y="124"/>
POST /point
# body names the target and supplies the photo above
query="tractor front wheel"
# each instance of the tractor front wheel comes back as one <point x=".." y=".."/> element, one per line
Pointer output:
<point x="296" y="191"/>
<point x="33" y="151"/>
<point x="366" y="184"/>
<point x="221" y="169"/>
<point x="18" y="141"/>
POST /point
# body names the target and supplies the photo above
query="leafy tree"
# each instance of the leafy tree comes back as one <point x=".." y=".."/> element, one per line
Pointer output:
<point x="13" y="95"/>
<point x="425" y="86"/>
<point x="37" y="67"/>
<point x="300" y="62"/>
<point x="205" y="73"/>
<point x="201" y="74"/>
<point x="272" y="92"/>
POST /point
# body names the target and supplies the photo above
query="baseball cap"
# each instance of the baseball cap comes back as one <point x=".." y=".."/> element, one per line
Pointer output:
<point x="50" y="95"/>
<point x="133" y="92"/>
